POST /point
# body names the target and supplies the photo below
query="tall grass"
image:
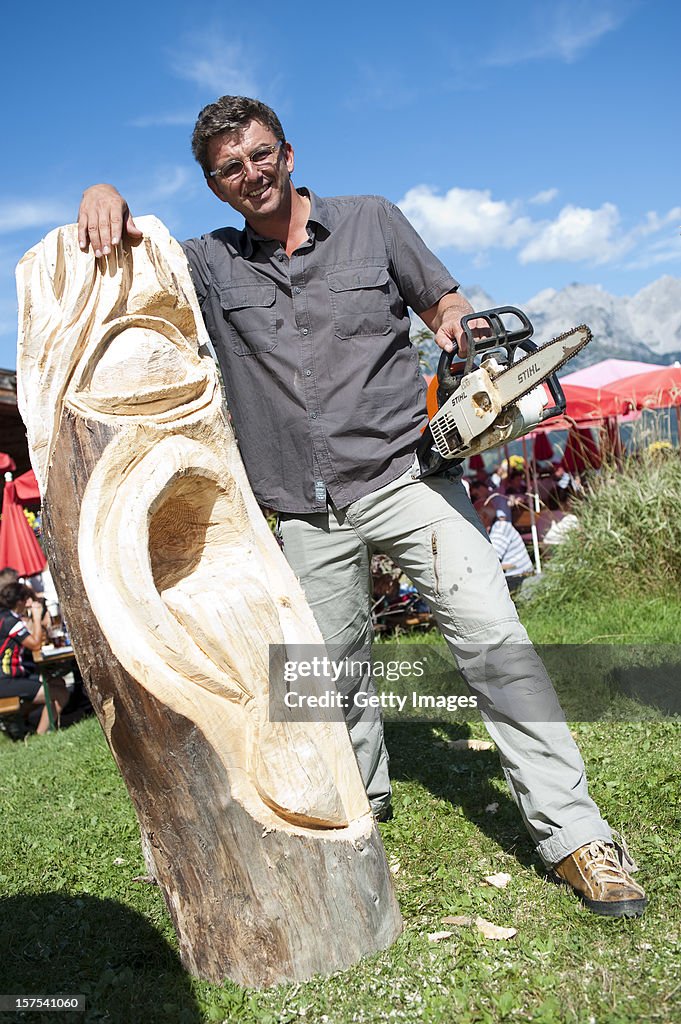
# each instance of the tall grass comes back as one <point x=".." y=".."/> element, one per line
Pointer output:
<point x="629" y="536"/>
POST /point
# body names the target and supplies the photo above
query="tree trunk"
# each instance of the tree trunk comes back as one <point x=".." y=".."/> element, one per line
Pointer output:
<point x="181" y="608"/>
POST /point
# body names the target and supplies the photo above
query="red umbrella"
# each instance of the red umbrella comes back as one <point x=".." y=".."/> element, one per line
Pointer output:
<point x="7" y="463"/>
<point x="581" y="451"/>
<point x="18" y="545"/>
<point x="543" y="449"/>
<point x="27" y="487"/>
<point x="656" y="389"/>
<point x="592" y="403"/>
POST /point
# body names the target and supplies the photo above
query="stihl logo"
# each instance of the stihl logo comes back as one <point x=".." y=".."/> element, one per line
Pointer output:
<point x="529" y="372"/>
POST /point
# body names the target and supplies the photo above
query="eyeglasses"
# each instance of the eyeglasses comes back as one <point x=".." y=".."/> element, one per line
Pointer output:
<point x="260" y="157"/>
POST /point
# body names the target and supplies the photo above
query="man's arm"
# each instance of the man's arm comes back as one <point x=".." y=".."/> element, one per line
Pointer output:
<point x="103" y="219"/>
<point x="444" y="320"/>
<point x="33" y="641"/>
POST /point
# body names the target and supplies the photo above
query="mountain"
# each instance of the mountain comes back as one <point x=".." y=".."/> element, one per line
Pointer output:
<point x="655" y="313"/>
<point x="614" y="335"/>
<point x="645" y="327"/>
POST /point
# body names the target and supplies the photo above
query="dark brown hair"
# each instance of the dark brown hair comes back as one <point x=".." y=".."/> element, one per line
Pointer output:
<point x="230" y="114"/>
<point x="12" y="593"/>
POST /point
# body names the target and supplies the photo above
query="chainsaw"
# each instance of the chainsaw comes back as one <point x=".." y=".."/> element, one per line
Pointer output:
<point x="496" y="394"/>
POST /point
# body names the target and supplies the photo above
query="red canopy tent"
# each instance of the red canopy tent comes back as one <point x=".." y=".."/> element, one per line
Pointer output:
<point x="18" y="545"/>
<point x="625" y="397"/>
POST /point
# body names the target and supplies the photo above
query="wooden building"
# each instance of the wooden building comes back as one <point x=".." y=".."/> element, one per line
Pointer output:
<point x="12" y="431"/>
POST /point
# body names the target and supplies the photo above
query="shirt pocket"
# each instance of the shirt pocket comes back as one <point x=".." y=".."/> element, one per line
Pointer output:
<point x="250" y="312"/>
<point x="360" y="302"/>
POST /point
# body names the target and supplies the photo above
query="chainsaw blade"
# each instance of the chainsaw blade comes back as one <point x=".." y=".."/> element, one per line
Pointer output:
<point x="486" y="409"/>
<point x="536" y="367"/>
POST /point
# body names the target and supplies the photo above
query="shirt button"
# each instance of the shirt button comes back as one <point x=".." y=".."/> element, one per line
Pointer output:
<point x="297" y="290"/>
<point x="313" y="415"/>
<point x="308" y="373"/>
<point x="305" y="330"/>
<point x="280" y="257"/>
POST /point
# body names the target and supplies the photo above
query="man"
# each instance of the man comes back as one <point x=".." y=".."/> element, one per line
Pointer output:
<point x="307" y="308"/>
<point x="508" y="544"/>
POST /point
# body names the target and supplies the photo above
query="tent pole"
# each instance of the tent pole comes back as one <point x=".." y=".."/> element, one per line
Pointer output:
<point x="534" y="508"/>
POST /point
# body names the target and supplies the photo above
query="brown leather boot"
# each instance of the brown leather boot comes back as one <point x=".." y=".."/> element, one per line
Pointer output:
<point x="596" y="874"/>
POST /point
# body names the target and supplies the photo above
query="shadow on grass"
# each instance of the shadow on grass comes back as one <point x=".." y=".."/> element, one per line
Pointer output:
<point x="655" y="685"/>
<point x="52" y="944"/>
<point x="464" y="778"/>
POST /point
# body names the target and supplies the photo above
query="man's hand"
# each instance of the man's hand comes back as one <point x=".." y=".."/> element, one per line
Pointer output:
<point x="103" y="218"/>
<point x="444" y="319"/>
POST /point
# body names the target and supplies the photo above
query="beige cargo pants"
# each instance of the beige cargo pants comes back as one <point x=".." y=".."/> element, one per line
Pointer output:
<point x="430" y="529"/>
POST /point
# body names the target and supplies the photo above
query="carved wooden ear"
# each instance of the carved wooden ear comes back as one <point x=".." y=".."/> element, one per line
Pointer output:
<point x="163" y="541"/>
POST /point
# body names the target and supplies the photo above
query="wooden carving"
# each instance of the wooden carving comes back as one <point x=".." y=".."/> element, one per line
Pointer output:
<point x="258" y="832"/>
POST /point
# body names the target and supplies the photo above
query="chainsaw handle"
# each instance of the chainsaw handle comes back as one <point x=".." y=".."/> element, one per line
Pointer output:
<point x="498" y="330"/>
<point x="500" y="336"/>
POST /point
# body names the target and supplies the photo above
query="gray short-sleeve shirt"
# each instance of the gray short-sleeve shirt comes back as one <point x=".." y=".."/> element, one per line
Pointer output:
<point x="322" y="382"/>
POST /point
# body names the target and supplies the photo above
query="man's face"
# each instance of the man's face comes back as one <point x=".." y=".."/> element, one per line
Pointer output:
<point x="262" y="189"/>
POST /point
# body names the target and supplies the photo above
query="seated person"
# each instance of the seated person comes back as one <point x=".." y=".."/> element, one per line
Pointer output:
<point x="508" y="544"/>
<point x="481" y="493"/>
<point x="16" y="680"/>
<point x="565" y="484"/>
<point x="514" y="484"/>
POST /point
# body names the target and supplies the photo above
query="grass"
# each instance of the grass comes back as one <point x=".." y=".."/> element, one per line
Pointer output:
<point x="628" y="540"/>
<point x="75" y="919"/>
<point x="77" y="915"/>
<point x="605" y="619"/>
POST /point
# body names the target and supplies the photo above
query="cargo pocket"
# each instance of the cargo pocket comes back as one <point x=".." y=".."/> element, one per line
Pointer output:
<point x="250" y="312"/>
<point x="360" y="302"/>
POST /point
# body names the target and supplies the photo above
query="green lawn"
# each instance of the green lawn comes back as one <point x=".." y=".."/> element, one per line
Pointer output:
<point x="75" y="919"/>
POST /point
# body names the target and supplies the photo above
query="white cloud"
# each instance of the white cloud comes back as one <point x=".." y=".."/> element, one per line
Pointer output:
<point x="467" y="219"/>
<point x="663" y="250"/>
<point x="215" y="63"/>
<point x="18" y="215"/>
<point x="578" y="233"/>
<point x="541" y="198"/>
<point x="475" y="222"/>
<point x="654" y="222"/>
<point x="562" y="30"/>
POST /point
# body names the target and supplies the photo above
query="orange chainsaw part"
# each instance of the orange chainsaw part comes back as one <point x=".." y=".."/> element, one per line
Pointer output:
<point x="431" y="397"/>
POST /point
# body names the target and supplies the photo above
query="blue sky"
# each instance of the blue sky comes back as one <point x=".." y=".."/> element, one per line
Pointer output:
<point x="533" y="144"/>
